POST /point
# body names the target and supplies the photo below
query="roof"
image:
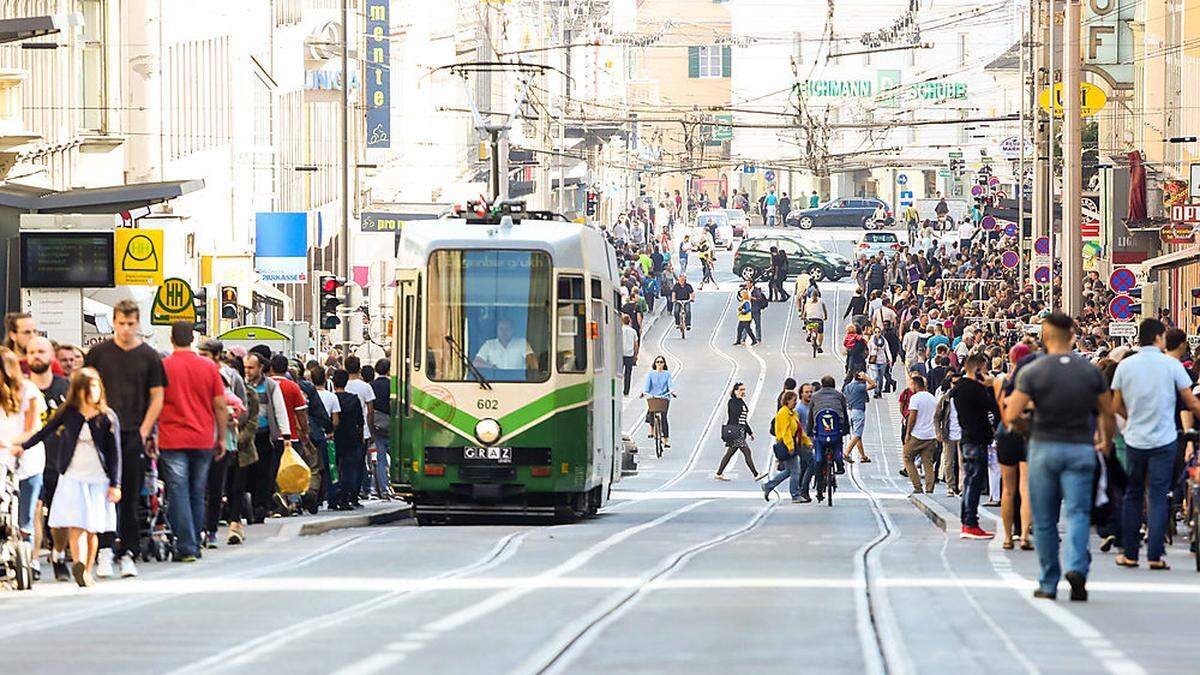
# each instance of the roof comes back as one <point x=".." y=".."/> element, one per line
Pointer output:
<point x="110" y="199"/>
<point x="23" y="28"/>
<point x="565" y="241"/>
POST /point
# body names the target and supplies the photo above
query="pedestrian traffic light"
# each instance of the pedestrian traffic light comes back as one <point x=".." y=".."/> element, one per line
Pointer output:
<point x="328" y="301"/>
<point x="229" y="302"/>
<point x="200" y="297"/>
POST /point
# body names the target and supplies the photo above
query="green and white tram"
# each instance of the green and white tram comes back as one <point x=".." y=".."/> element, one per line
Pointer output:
<point x="507" y="350"/>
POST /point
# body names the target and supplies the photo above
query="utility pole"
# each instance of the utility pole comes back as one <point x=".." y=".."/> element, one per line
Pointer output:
<point x="343" y="247"/>
<point x="1039" y="37"/>
<point x="1072" y="249"/>
<point x="1020" y="187"/>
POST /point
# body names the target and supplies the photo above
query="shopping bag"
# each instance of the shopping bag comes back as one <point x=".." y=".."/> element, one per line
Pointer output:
<point x="293" y="474"/>
<point x="331" y="452"/>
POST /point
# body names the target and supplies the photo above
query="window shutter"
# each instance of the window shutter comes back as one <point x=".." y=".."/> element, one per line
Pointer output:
<point x="693" y="62"/>
<point x="726" y="61"/>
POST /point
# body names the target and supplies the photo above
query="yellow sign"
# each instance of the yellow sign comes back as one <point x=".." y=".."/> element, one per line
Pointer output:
<point x="1091" y="99"/>
<point x="173" y="302"/>
<point x="139" y="255"/>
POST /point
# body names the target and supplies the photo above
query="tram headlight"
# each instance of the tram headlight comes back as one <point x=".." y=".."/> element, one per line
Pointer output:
<point x="487" y="431"/>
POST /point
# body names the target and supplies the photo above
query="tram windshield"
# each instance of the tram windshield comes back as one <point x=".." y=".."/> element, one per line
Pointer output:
<point x="488" y="315"/>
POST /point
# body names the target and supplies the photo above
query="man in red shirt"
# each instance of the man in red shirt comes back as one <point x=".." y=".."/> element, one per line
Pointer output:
<point x="192" y="424"/>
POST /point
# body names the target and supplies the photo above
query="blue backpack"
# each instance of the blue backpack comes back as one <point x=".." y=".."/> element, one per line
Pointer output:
<point x="827" y="427"/>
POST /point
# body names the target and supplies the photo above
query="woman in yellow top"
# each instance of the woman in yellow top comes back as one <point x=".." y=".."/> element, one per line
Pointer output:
<point x="789" y="443"/>
<point x="745" y="315"/>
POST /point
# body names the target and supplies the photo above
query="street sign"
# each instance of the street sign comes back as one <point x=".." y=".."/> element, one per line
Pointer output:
<point x="988" y="223"/>
<point x="1032" y="328"/>
<point x="902" y="179"/>
<point x="1176" y="233"/>
<point x="955" y="154"/>
<point x="173" y="302"/>
<point x="1091" y="99"/>
<point x="1041" y="245"/>
<point x="1010" y="229"/>
<point x="1185" y="213"/>
<point x="1010" y="259"/>
<point x="976" y="190"/>
<point x="1122" y="280"/>
<point x="1042" y="275"/>
<point x="1121" y="307"/>
<point x="1122" y="329"/>
<point x="769" y="175"/>
<point x="906" y="198"/>
<point x="137" y="257"/>
<point x="944" y="173"/>
<point x="993" y="181"/>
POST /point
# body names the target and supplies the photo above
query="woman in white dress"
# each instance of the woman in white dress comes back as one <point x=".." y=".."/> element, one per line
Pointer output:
<point x="21" y="406"/>
<point x="90" y="469"/>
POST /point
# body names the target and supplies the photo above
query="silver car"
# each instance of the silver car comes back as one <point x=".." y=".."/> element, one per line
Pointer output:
<point x="883" y="242"/>
<point x="717" y="222"/>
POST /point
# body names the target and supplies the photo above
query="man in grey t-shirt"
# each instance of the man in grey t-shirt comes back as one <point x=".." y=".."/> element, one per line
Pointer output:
<point x="1069" y="395"/>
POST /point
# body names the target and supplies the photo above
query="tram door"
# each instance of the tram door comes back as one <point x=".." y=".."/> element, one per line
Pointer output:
<point x="406" y="355"/>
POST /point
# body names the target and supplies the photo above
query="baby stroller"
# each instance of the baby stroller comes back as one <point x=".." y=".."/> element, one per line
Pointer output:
<point x="16" y="554"/>
<point x="156" y="540"/>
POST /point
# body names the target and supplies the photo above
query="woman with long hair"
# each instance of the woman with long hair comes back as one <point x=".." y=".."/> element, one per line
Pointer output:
<point x="736" y="431"/>
<point x="21" y="407"/>
<point x="1012" y="455"/>
<point x="660" y="385"/>
<point x="89" y="484"/>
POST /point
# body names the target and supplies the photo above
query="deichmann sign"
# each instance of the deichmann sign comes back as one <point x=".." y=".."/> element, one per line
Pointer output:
<point x="924" y="91"/>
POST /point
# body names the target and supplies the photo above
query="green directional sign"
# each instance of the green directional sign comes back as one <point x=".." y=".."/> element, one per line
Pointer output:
<point x="722" y="130"/>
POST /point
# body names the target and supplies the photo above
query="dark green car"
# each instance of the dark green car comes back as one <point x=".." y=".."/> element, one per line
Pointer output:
<point x="753" y="258"/>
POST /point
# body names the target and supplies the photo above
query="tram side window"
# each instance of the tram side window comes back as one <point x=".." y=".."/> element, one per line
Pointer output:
<point x="600" y="318"/>
<point x="570" y="321"/>
<point x="488" y="315"/>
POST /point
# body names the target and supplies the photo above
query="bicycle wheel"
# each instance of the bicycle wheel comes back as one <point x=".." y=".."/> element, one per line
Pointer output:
<point x="658" y="443"/>
<point x="681" y="321"/>
<point x="829" y="481"/>
<point x="813" y="339"/>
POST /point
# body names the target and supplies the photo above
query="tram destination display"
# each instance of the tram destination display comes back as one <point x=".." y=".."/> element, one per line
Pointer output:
<point x="67" y="259"/>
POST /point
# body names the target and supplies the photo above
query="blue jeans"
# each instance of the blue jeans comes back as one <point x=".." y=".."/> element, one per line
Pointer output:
<point x="974" y="470"/>
<point x="1157" y="465"/>
<point x="30" y="490"/>
<point x="791" y="471"/>
<point x="382" y="462"/>
<point x="882" y="376"/>
<point x="807" y="467"/>
<point x="185" y="475"/>
<point x="1060" y="480"/>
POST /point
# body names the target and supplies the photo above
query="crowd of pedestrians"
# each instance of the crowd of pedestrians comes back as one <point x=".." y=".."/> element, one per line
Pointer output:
<point x="1041" y="414"/>
<point x="102" y="439"/>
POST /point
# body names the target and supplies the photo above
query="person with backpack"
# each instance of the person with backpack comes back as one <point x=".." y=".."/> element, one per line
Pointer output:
<point x="789" y="443"/>
<point x="758" y="302"/>
<point x="879" y="357"/>
<point x="949" y="433"/>
<point x="827" y="434"/>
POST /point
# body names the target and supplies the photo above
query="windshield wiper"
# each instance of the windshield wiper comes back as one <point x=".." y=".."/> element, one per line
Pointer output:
<point x="458" y="351"/>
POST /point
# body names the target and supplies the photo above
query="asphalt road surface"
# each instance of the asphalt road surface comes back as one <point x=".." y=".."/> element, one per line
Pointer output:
<point x="680" y="573"/>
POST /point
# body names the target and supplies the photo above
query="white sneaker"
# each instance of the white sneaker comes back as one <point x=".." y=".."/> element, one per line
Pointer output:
<point x="104" y="563"/>
<point x="126" y="566"/>
<point x="720" y="477"/>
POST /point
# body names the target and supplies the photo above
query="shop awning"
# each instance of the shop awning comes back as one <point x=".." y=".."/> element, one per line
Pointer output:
<point x="110" y="199"/>
<point x="24" y="28"/>
<point x="1169" y="261"/>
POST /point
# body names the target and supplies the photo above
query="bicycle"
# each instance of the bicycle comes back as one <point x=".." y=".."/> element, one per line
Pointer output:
<point x="682" y="309"/>
<point x="656" y="410"/>
<point x="813" y="326"/>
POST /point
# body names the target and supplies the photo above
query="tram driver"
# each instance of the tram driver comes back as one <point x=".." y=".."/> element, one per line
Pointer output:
<point x="505" y="352"/>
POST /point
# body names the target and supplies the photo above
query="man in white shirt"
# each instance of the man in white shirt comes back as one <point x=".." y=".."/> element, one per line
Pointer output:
<point x="966" y="230"/>
<point x="883" y="314"/>
<point x="503" y="352"/>
<point x="629" y="349"/>
<point x="922" y="436"/>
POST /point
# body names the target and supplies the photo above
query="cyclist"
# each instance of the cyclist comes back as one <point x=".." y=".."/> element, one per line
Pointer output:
<point x="827" y="426"/>
<point x="828" y="397"/>
<point x="682" y="295"/>
<point x="659" y="384"/>
<point x="815" y="313"/>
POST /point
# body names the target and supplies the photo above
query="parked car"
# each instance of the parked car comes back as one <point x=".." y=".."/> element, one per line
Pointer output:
<point x="886" y="243"/>
<point x="717" y="223"/>
<point x="753" y="258"/>
<point x="739" y="221"/>
<point x="841" y="212"/>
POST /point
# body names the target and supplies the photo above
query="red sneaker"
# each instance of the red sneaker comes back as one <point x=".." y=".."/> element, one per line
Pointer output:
<point x="975" y="533"/>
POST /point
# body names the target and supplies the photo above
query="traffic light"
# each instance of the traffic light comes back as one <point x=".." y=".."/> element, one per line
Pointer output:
<point x="201" y="299"/>
<point x="229" y="302"/>
<point x="593" y="200"/>
<point x="328" y="301"/>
